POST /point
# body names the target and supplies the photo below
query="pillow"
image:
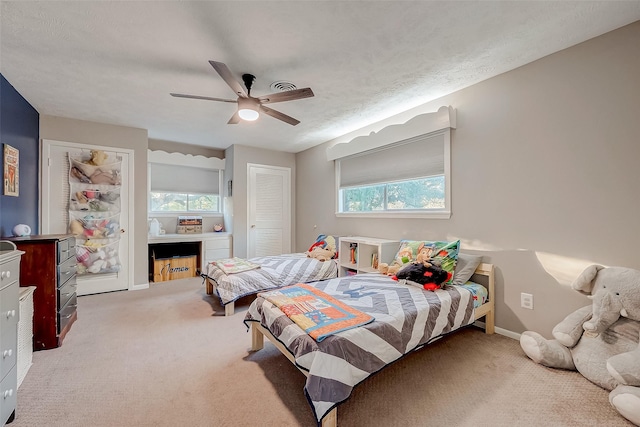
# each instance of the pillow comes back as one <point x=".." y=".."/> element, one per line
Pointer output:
<point x="326" y="242"/>
<point x="465" y="267"/>
<point x="443" y="253"/>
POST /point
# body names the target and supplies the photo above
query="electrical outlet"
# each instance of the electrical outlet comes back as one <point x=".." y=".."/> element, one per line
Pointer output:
<point x="526" y="301"/>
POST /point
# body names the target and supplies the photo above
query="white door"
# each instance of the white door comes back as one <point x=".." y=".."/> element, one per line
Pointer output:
<point x="55" y="197"/>
<point x="269" y="210"/>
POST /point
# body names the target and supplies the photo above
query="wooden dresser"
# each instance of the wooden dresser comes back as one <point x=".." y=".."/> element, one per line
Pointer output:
<point x="10" y="313"/>
<point x="49" y="264"/>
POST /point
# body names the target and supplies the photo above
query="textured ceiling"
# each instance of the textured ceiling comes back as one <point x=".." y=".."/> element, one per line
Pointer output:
<point x="116" y="62"/>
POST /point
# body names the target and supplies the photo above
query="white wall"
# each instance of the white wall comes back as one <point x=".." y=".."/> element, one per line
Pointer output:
<point x="545" y="177"/>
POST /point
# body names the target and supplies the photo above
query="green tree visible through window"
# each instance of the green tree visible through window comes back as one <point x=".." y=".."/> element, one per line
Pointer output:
<point x="415" y="194"/>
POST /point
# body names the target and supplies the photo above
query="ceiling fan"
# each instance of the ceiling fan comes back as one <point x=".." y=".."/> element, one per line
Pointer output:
<point x="249" y="107"/>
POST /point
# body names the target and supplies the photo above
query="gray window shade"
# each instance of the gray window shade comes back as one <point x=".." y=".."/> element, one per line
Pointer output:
<point x="184" y="179"/>
<point x="422" y="156"/>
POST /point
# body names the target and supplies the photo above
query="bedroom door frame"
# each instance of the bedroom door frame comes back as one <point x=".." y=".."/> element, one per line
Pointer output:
<point x="255" y="224"/>
<point x="45" y="208"/>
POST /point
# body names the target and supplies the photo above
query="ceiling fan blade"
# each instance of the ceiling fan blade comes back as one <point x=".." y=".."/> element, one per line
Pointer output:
<point x="234" y="120"/>
<point x="208" y="98"/>
<point x="278" y="115"/>
<point x="227" y="76"/>
<point x="288" y="95"/>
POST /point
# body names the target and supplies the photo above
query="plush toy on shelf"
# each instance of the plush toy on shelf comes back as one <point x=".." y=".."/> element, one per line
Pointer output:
<point x="601" y="340"/>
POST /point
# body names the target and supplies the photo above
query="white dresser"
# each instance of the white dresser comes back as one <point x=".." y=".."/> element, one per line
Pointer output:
<point x="9" y="316"/>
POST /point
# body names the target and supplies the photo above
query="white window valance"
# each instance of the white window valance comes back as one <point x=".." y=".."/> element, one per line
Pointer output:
<point x="184" y="173"/>
<point x="423" y="124"/>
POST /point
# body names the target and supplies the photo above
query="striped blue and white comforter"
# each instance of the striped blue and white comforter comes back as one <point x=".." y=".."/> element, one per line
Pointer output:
<point x="406" y="318"/>
<point x="274" y="272"/>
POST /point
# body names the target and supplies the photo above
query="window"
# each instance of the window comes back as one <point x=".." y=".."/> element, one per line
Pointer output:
<point x="424" y="194"/>
<point x="407" y="178"/>
<point x="183" y="189"/>
<point x="183" y="202"/>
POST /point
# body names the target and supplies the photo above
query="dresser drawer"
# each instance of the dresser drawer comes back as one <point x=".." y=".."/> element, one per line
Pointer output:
<point x="217" y="243"/>
<point x="214" y="254"/>
<point x="66" y="271"/>
<point x="8" y="394"/>
<point x="66" y="292"/>
<point x="9" y="308"/>
<point x="8" y="350"/>
<point x="9" y="316"/>
<point x="66" y="312"/>
<point x="66" y="249"/>
<point x="9" y="272"/>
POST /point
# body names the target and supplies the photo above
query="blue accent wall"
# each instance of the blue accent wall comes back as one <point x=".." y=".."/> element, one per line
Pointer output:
<point x="20" y="128"/>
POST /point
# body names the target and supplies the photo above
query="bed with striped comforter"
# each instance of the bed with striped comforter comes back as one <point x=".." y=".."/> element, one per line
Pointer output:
<point x="274" y="272"/>
<point x="406" y="318"/>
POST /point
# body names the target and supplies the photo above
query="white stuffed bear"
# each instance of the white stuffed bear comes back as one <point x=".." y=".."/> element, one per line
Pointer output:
<point x="601" y="341"/>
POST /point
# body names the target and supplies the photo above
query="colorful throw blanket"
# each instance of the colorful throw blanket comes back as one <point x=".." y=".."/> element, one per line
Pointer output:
<point x="235" y="265"/>
<point x="317" y="313"/>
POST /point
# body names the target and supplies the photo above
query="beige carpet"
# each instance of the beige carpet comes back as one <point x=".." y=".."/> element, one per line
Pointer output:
<point x="167" y="356"/>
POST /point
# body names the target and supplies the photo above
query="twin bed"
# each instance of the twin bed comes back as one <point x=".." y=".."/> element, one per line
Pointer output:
<point x="406" y="318"/>
<point x="274" y="272"/>
<point x="402" y="317"/>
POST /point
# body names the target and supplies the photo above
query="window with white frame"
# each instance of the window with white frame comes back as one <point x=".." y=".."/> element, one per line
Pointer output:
<point x="407" y="178"/>
<point x="183" y="188"/>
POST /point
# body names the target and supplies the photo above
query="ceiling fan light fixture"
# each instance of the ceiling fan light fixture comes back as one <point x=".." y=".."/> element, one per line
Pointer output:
<point x="248" y="109"/>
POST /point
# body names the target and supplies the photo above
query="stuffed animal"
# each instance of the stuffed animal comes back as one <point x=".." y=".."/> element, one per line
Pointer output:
<point x="320" y="254"/>
<point x="601" y="341"/>
<point x="98" y="158"/>
<point x="389" y="269"/>
<point x="424" y="253"/>
<point x="105" y="177"/>
<point x="97" y="265"/>
<point x="76" y="228"/>
<point x="430" y="276"/>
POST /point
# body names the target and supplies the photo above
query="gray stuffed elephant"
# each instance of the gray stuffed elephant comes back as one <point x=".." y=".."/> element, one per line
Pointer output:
<point x="601" y="341"/>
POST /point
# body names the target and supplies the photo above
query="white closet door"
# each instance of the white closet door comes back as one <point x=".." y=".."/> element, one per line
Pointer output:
<point x="55" y="196"/>
<point x="269" y="216"/>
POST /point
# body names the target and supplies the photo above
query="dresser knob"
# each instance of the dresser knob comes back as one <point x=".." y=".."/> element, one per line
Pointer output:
<point x="11" y="313"/>
<point x="8" y="393"/>
<point x="7" y="353"/>
<point x="2" y="274"/>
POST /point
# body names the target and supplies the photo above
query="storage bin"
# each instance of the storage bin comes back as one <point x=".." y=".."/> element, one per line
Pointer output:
<point x="174" y="268"/>
<point x="25" y="332"/>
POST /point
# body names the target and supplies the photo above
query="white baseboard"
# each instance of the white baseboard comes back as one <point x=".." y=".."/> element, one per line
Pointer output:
<point x="500" y="331"/>
<point x="507" y="333"/>
<point x="139" y="287"/>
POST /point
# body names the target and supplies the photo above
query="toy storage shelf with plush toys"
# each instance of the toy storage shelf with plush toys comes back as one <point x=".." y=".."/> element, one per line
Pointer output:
<point x="362" y="254"/>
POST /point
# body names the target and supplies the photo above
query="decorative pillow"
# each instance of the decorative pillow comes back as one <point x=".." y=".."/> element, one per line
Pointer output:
<point x="465" y="267"/>
<point x="444" y="254"/>
<point x="326" y="242"/>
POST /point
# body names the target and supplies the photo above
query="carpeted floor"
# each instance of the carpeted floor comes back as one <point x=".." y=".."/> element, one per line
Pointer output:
<point x="167" y="356"/>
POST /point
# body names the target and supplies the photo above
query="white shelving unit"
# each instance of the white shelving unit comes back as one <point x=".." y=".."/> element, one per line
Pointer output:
<point x="367" y="251"/>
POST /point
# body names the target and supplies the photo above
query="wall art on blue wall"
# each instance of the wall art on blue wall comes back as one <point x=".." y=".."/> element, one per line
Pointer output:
<point x="11" y="171"/>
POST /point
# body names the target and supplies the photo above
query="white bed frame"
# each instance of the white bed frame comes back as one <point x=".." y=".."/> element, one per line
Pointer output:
<point x="487" y="310"/>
